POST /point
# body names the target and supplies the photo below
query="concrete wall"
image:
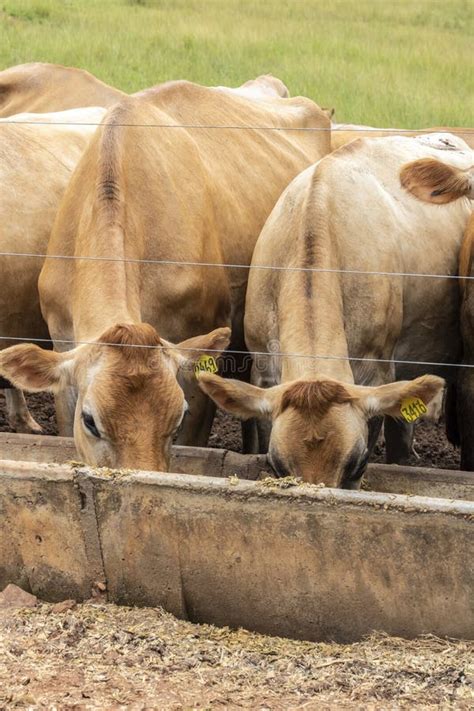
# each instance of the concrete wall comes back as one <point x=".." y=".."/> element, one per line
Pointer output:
<point x="421" y="481"/>
<point x="302" y="562"/>
<point x="48" y="532"/>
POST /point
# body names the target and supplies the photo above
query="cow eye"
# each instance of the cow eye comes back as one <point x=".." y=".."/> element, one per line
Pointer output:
<point x="89" y="423"/>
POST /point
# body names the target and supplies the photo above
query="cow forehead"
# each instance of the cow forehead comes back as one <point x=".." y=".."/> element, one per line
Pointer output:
<point x="343" y="422"/>
<point x="137" y="405"/>
<point x="120" y="385"/>
<point x="138" y="387"/>
<point x="132" y="363"/>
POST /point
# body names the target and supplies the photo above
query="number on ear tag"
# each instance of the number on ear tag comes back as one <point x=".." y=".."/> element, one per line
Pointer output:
<point x="412" y="408"/>
<point x="205" y="364"/>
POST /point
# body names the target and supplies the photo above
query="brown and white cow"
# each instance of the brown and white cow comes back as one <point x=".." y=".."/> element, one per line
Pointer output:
<point x="398" y="435"/>
<point x="40" y="87"/>
<point x="438" y="182"/>
<point x="38" y="155"/>
<point x="342" y="133"/>
<point x="344" y="302"/>
<point x="147" y="189"/>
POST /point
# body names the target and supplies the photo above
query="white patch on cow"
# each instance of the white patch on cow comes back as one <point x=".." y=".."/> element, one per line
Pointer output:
<point x="264" y="406"/>
<point x="372" y="403"/>
<point x="92" y="372"/>
<point x="360" y="127"/>
<point x="84" y="119"/>
<point x="254" y="93"/>
<point x="183" y="413"/>
<point x="442" y="142"/>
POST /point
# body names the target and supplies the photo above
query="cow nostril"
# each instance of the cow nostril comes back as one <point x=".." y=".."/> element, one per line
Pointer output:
<point x="364" y="462"/>
<point x="354" y="470"/>
<point x="361" y="467"/>
<point x="278" y="466"/>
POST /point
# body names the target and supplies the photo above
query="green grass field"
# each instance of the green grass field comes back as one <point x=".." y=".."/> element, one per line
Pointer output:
<point x="381" y="62"/>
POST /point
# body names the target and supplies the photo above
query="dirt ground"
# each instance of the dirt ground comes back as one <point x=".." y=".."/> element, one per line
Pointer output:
<point x="431" y="445"/>
<point x="98" y="655"/>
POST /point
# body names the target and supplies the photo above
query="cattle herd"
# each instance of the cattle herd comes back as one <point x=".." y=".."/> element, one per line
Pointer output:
<point x="326" y="267"/>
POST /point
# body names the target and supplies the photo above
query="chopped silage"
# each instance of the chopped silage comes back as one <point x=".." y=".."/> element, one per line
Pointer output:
<point x="99" y="655"/>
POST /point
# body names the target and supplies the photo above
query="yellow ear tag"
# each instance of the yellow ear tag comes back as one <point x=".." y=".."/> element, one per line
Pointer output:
<point x="205" y="364"/>
<point x="412" y="408"/>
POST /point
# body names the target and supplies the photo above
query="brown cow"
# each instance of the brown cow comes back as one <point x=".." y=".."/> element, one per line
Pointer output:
<point x="438" y="182"/>
<point x="149" y="190"/>
<point x="262" y="87"/>
<point x="345" y="307"/>
<point x="37" y="160"/>
<point x="40" y="87"/>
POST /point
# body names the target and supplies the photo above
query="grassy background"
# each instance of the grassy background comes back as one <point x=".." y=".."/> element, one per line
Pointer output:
<point x="381" y="62"/>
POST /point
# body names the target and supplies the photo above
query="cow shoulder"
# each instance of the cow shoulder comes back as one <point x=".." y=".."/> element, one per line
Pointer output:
<point x="467" y="252"/>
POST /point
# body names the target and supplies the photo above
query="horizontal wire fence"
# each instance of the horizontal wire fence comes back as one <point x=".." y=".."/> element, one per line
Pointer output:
<point x="346" y="128"/>
<point x="336" y="128"/>
<point x="172" y="346"/>
<point x="228" y="265"/>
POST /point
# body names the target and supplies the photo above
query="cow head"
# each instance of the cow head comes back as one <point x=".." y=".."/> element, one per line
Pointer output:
<point x="431" y="180"/>
<point x="129" y="403"/>
<point x="319" y="427"/>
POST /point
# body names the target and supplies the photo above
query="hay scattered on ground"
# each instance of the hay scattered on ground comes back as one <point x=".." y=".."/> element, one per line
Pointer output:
<point x="99" y="655"/>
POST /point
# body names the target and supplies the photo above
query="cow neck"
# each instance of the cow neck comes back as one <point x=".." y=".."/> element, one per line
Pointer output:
<point x="321" y="339"/>
<point x="105" y="293"/>
<point x="312" y="318"/>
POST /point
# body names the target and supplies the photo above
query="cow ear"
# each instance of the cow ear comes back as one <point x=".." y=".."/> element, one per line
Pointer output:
<point x="184" y="355"/>
<point x="237" y="397"/>
<point x="34" y="369"/>
<point x="408" y="399"/>
<point x="431" y="180"/>
<point x="328" y="111"/>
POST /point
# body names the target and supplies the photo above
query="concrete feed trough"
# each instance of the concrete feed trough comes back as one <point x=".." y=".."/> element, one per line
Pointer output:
<point x="302" y="561"/>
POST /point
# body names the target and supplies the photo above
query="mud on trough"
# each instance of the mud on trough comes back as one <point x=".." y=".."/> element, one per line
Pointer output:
<point x="431" y="444"/>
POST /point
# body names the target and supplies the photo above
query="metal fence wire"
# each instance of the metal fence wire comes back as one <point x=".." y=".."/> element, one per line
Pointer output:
<point x="458" y="131"/>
